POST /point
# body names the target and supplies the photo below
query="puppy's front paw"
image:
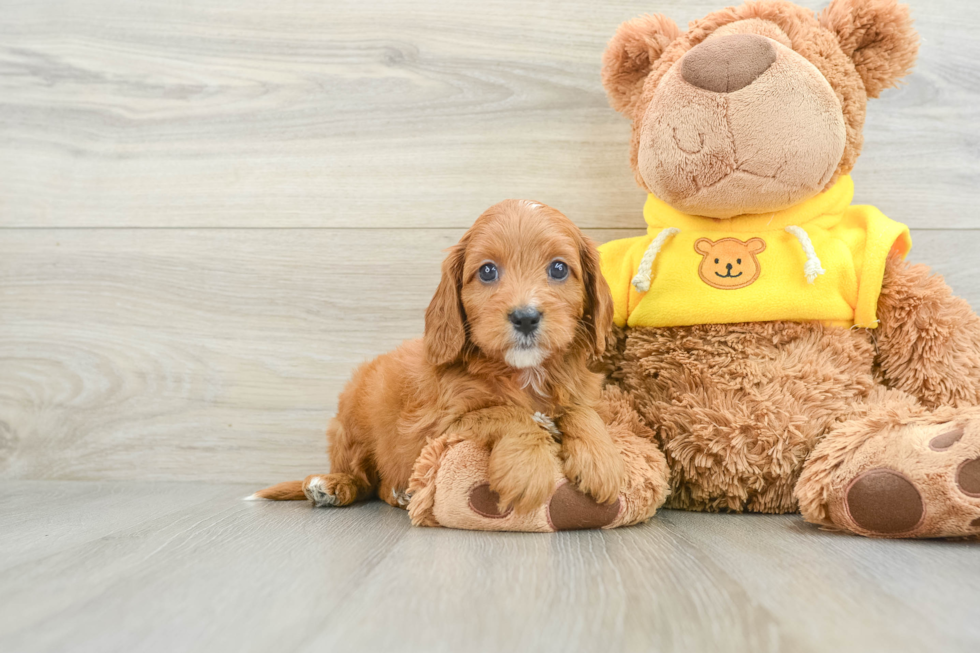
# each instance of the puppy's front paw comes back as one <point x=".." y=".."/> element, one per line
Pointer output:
<point x="522" y="472"/>
<point x="595" y="466"/>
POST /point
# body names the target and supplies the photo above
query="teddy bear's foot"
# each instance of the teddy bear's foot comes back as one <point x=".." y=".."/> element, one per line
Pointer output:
<point x="918" y="478"/>
<point x="567" y="509"/>
<point x="458" y="495"/>
<point x="450" y="485"/>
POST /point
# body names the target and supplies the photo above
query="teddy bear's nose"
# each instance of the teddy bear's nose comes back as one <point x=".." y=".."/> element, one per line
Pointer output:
<point x="725" y="64"/>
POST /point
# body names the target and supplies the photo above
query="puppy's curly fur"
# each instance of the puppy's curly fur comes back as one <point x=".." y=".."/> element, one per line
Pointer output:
<point x="476" y="375"/>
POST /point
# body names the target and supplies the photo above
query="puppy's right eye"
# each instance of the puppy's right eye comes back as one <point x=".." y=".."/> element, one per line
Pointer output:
<point x="558" y="270"/>
<point x="488" y="273"/>
<point x="716" y="260"/>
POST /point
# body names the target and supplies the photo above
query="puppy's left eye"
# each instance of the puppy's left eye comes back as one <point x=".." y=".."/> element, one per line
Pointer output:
<point x="558" y="270"/>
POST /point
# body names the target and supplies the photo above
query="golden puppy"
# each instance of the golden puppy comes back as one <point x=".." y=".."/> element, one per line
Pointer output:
<point x="519" y="311"/>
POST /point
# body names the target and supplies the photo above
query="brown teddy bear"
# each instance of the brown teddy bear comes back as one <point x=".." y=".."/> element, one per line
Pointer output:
<point x="779" y="352"/>
<point x="770" y="333"/>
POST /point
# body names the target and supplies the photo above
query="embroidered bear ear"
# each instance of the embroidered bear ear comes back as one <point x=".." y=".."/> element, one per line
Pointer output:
<point x="703" y="246"/>
<point x="756" y="245"/>
<point x="631" y="55"/>
<point x="878" y="37"/>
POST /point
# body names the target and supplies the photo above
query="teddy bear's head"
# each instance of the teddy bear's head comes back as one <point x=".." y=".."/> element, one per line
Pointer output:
<point x="754" y="108"/>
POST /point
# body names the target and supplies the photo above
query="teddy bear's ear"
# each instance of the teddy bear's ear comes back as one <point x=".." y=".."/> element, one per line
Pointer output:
<point x="878" y="36"/>
<point x="630" y="57"/>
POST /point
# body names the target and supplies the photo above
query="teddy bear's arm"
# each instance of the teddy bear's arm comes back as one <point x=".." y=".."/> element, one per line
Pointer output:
<point x="928" y="339"/>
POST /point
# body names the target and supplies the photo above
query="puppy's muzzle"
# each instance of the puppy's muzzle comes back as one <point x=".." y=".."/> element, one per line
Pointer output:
<point x="525" y="320"/>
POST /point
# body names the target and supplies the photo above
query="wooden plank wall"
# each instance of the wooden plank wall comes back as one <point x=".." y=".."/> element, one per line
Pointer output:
<point x="211" y="211"/>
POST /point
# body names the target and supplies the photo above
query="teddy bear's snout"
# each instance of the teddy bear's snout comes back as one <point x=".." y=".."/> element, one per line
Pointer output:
<point x="725" y="64"/>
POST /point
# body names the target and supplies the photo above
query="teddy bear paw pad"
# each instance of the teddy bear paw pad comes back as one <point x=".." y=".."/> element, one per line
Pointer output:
<point x="947" y="439"/>
<point x="486" y="502"/>
<point x="570" y="509"/>
<point x="968" y="477"/>
<point x="884" y="501"/>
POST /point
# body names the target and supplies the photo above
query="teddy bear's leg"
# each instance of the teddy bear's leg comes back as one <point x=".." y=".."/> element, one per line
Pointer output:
<point x="897" y="470"/>
<point x="450" y="486"/>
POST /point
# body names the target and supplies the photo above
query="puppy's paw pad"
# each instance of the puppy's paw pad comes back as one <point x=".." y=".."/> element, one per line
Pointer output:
<point x="884" y="502"/>
<point x="968" y="478"/>
<point x="486" y="503"/>
<point x="316" y="491"/>
<point x="571" y="510"/>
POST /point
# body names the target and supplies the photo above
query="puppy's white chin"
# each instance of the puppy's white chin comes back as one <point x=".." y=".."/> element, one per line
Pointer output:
<point x="522" y="358"/>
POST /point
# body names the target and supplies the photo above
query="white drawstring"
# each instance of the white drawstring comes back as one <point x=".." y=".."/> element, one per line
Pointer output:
<point x="642" y="279"/>
<point x="812" y="268"/>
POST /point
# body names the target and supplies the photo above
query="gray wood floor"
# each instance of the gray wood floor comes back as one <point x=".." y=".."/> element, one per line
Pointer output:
<point x="211" y="211"/>
<point x="130" y="566"/>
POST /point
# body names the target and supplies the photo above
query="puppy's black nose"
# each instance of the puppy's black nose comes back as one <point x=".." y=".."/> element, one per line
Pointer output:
<point x="525" y="319"/>
<point x="729" y="266"/>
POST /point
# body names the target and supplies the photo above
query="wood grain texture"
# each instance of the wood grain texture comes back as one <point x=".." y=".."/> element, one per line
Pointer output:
<point x="205" y="571"/>
<point x="219" y="575"/>
<point x="219" y="354"/>
<point x="811" y="578"/>
<point x="389" y="114"/>
<point x="211" y="211"/>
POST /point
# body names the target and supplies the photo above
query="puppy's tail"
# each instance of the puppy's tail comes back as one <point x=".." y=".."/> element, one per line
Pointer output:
<point x="288" y="491"/>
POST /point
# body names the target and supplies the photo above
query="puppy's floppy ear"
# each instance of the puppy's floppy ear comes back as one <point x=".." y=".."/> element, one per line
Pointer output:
<point x="631" y="55"/>
<point x="598" y="314"/>
<point x="445" y="330"/>
<point x="878" y="37"/>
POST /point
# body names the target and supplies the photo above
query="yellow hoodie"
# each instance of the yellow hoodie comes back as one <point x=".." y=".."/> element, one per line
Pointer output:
<point x="820" y="260"/>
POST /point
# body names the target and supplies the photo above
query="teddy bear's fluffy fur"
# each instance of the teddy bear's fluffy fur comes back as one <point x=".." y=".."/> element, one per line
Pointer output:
<point x="739" y="408"/>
